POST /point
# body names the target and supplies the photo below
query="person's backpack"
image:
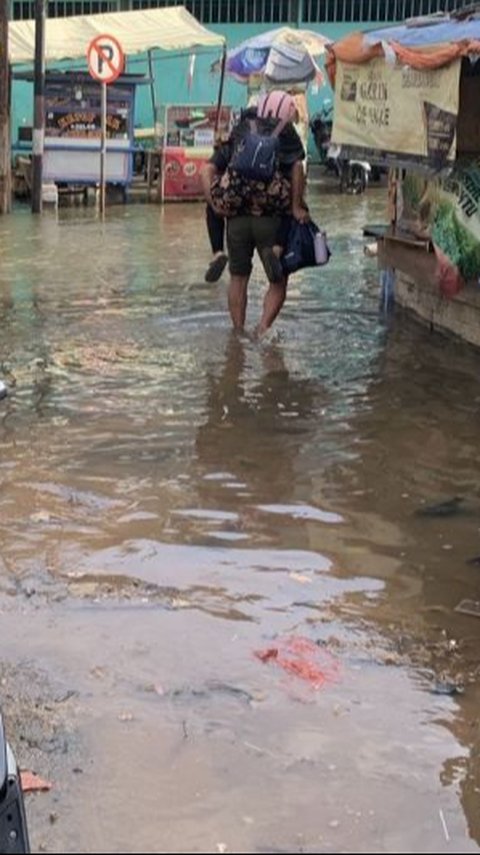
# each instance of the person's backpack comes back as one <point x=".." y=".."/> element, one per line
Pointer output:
<point x="255" y="156"/>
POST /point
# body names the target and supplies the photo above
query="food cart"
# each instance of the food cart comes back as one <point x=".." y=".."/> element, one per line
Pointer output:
<point x="73" y="128"/>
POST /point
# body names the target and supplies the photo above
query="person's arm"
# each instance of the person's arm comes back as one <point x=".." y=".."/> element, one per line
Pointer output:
<point x="292" y="155"/>
<point x="217" y="165"/>
<point x="299" y="207"/>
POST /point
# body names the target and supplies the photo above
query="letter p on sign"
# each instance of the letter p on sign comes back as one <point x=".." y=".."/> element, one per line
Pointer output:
<point x="105" y="58"/>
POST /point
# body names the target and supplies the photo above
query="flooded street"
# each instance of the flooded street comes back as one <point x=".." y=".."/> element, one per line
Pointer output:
<point x="179" y="506"/>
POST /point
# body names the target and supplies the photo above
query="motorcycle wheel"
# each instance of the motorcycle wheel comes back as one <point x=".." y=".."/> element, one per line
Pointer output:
<point x="13" y="823"/>
<point x="357" y="181"/>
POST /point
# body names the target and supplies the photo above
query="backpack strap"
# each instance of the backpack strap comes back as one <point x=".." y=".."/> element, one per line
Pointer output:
<point x="276" y="131"/>
<point x="279" y="128"/>
<point x="284" y="122"/>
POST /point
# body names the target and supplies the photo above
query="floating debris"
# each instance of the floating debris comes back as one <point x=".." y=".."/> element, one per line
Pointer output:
<point x="444" y="825"/>
<point x="302" y="658"/>
<point x="442" y="509"/>
<point x="32" y="783"/>
<point x="469" y="607"/>
<point x="210" y="688"/>
<point x="446" y="688"/>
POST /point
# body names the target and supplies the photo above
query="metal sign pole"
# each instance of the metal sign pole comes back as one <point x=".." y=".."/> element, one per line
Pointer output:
<point x="103" y="150"/>
<point x="106" y="61"/>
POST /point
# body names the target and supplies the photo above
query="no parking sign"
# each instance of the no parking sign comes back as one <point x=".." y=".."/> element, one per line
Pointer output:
<point x="106" y="62"/>
<point x="106" y="59"/>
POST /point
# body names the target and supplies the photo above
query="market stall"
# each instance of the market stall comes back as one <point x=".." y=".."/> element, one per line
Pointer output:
<point x="72" y="116"/>
<point x="407" y="97"/>
<point x="189" y="134"/>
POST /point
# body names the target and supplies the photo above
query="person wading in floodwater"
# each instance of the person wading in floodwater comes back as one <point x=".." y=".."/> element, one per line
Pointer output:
<point x="257" y="208"/>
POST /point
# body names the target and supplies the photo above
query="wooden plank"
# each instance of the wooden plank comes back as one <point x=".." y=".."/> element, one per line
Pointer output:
<point x="377" y="230"/>
<point x="395" y="234"/>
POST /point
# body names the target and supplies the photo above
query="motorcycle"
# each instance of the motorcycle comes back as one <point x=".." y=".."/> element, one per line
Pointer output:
<point x="353" y="175"/>
<point x="13" y="823"/>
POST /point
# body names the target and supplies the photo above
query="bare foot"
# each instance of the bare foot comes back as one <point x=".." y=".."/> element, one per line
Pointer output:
<point x="259" y="332"/>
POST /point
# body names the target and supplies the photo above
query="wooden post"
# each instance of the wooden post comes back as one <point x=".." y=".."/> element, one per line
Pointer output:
<point x="39" y="106"/>
<point x="5" y="156"/>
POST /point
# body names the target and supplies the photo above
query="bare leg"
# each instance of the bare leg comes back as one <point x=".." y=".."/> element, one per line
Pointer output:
<point x="237" y="300"/>
<point x="216" y="235"/>
<point x="272" y="304"/>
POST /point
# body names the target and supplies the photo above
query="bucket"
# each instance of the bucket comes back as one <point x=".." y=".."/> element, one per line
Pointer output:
<point x="50" y="194"/>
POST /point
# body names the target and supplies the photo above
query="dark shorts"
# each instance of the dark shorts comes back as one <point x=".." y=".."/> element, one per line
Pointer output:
<point x="245" y="234"/>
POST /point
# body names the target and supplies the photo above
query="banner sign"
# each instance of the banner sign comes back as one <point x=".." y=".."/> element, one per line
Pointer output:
<point x="448" y="211"/>
<point x="397" y="115"/>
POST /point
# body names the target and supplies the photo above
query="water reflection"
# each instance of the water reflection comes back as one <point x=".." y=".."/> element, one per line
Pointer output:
<point x="259" y="417"/>
<point x="417" y="438"/>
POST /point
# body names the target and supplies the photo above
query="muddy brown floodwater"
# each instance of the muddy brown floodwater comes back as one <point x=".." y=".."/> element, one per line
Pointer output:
<point x="174" y="500"/>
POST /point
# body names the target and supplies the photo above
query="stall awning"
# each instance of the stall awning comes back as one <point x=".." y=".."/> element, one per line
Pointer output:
<point x="169" y="28"/>
<point x="424" y="43"/>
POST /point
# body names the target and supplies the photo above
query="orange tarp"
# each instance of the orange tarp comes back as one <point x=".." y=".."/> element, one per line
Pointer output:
<point x="353" y="49"/>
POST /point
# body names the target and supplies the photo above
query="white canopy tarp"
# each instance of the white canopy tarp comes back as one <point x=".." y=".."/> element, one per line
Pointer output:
<point x="168" y="28"/>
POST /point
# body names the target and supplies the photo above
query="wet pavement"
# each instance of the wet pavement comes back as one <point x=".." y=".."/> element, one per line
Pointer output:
<point x="176" y="504"/>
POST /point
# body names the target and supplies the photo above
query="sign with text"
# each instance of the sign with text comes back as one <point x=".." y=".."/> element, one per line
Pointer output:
<point x="447" y="209"/>
<point x="397" y="113"/>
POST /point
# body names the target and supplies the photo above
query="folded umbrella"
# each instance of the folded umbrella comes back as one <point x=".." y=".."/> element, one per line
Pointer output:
<point x="283" y="55"/>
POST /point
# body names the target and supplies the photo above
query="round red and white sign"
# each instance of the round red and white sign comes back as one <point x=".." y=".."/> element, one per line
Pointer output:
<point x="106" y="59"/>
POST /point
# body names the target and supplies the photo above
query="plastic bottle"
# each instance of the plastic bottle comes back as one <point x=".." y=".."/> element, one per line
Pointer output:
<point x="321" y="248"/>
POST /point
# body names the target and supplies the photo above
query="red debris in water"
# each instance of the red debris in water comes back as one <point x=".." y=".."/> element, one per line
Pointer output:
<point x="304" y="659"/>
<point x="266" y="655"/>
<point x="32" y="783"/>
